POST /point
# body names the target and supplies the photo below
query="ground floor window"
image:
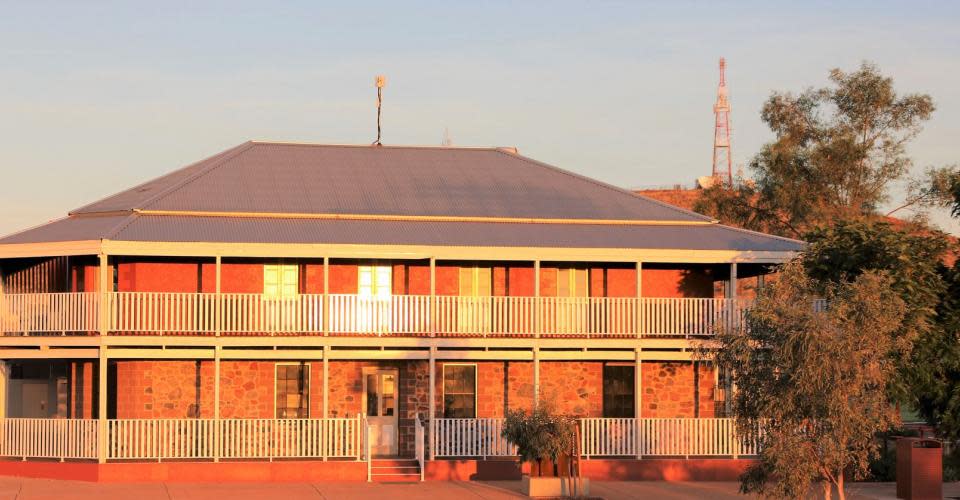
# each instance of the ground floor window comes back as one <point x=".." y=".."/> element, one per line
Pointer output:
<point x="459" y="391"/>
<point x="722" y="394"/>
<point x="293" y="390"/>
<point x="618" y="391"/>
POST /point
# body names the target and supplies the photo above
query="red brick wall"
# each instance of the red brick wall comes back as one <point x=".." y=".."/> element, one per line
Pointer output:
<point x="679" y="281"/>
<point x="409" y="277"/>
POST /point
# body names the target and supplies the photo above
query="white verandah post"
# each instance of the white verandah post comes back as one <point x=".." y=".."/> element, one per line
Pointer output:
<point x="218" y="320"/>
<point x="105" y="287"/>
<point x="432" y="403"/>
<point x="638" y="400"/>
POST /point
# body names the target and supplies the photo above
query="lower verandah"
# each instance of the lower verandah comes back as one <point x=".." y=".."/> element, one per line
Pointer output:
<point x="391" y="393"/>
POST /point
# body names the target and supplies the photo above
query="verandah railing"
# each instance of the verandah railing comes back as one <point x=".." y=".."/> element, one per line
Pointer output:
<point x="343" y="438"/>
<point x="601" y="437"/>
<point x="161" y="313"/>
<point x="182" y="439"/>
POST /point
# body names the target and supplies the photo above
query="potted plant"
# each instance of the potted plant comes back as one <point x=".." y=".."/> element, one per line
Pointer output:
<point x="548" y="441"/>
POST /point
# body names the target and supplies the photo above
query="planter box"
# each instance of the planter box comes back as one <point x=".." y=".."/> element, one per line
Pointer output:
<point x="555" y="486"/>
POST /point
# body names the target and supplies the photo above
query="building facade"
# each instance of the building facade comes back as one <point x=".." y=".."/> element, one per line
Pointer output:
<point x="346" y="302"/>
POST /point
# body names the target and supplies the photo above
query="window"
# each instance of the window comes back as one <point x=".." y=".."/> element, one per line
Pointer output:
<point x="476" y="281"/>
<point x="618" y="391"/>
<point x="722" y="394"/>
<point x="293" y="390"/>
<point x="281" y="280"/>
<point x="572" y="282"/>
<point x="459" y="391"/>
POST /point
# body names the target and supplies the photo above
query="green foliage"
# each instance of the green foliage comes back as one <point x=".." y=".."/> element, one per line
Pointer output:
<point x="935" y="363"/>
<point x="836" y="152"/>
<point x="540" y="434"/>
<point x="817" y="380"/>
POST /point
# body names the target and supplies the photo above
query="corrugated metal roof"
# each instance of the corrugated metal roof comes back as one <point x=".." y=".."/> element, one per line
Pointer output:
<point x="320" y="179"/>
<point x="267" y="230"/>
<point x="400" y="181"/>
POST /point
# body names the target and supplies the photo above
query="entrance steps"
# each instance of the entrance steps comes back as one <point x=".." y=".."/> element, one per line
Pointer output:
<point x="392" y="470"/>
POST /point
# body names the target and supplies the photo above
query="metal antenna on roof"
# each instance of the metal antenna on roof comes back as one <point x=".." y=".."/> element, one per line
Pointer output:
<point x="380" y="81"/>
<point x="447" y="141"/>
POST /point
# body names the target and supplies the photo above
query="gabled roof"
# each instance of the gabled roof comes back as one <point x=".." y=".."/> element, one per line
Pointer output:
<point x="381" y="195"/>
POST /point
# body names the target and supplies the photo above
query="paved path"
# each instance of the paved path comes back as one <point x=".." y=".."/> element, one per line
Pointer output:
<point x="42" y="489"/>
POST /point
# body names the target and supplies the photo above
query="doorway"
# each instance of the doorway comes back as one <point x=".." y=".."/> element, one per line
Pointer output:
<point x="380" y="406"/>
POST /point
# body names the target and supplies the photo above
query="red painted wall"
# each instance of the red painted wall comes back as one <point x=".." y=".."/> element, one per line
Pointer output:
<point x="409" y="277"/>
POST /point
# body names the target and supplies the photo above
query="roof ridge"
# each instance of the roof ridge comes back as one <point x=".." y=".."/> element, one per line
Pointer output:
<point x="605" y="185"/>
<point x="375" y="147"/>
<point x="219" y="161"/>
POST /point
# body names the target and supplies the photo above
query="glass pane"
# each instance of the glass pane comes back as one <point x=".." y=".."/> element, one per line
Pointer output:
<point x="389" y="401"/>
<point x="372" y="404"/>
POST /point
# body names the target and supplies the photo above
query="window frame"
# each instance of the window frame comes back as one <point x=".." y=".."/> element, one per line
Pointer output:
<point x="306" y="388"/>
<point x="603" y="389"/>
<point x="280" y="283"/>
<point x="443" y="388"/>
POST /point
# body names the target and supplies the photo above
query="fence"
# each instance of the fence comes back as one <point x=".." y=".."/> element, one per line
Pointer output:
<point x="49" y="313"/>
<point x="601" y="437"/>
<point x="48" y="438"/>
<point x="160" y="313"/>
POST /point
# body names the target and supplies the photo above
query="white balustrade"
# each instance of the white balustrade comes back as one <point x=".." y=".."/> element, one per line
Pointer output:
<point x="161" y="313"/>
<point x="469" y="437"/>
<point x="49" y="313"/>
<point x="258" y="314"/>
<point x="601" y="437"/>
<point x="48" y="438"/>
<point x="396" y="314"/>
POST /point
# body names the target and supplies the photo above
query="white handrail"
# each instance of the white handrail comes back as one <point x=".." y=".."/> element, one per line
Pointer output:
<point x="162" y="313"/>
<point x="601" y="437"/>
<point x="61" y="439"/>
<point x="236" y="438"/>
<point x="419" y="446"/>
<point x="49" y="313"/>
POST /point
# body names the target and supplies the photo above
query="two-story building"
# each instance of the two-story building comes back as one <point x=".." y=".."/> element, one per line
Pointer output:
<point x="331" y="304"/>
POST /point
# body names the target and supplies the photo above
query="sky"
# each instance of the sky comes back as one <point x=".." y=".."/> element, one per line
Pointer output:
<point x="96" y="97"/>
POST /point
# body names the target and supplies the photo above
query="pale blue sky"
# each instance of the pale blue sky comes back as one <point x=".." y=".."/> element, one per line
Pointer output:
<point x="97" y="96"/>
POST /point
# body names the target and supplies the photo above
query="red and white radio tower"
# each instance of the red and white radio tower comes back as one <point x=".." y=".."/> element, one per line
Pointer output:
<point x="722" y="160"/>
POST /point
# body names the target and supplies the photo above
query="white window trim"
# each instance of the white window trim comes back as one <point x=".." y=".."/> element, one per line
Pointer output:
<point x="443" y="387"/>
<point x="280" y="265"/>
<point x="276" y="368"/>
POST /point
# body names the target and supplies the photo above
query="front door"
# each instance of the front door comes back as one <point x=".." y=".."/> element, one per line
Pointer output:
<point x="35" y="396"/>
<point x="380" y="406"/>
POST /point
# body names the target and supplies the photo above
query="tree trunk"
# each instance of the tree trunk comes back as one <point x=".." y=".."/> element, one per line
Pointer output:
<point x="827" y="489"/>
<point x="840" y="492"/>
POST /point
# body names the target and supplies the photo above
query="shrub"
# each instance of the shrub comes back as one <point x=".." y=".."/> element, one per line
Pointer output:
<point x="540" y="434"/>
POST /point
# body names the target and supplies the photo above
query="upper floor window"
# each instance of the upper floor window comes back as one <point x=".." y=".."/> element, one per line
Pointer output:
<point x="293" y="390"/>
<point x="459" y="391"/>
<point x="573" y="282"/>
<point x="281" y="280"/>
<point x="375" y="281"/>
<point x="476" y="281"/>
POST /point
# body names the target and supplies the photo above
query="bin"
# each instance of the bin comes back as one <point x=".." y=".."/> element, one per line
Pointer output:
<point x="919" y="469"/>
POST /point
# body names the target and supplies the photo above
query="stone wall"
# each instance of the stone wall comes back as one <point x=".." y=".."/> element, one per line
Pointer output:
<point x="670" y="390"/>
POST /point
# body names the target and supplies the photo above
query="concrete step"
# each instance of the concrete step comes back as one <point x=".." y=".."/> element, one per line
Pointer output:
<point x="395" y="478"/>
